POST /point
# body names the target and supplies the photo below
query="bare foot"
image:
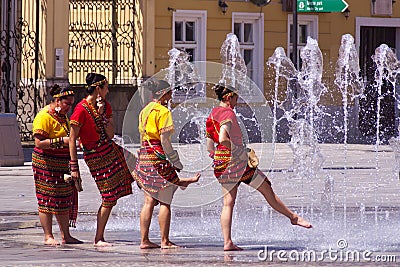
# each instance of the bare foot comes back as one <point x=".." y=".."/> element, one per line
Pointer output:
<point x="72" y="240"/>
<point x="169" y="245"/>
<point x="102" y="243"/>
<point x="148" y="245"/>
<point x="231" y="247"/>
<point x="184" y="182"/>
<point x="51" y="242"/>
<point x="300" y="222"/>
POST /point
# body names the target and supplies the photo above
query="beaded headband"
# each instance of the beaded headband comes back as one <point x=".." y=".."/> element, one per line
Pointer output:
<point x="66" y="93"/>
<point x="98" y="83"/>
<point x="229" y="94"/>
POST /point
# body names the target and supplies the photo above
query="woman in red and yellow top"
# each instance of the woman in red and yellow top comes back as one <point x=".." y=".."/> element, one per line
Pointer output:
<point x="92" y="122"/>
<point x="50" y="159"/>
<point x="230" y="163"/>
<point x="157" y="164"/>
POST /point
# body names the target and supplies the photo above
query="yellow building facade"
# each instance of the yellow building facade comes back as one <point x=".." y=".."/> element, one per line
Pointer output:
<point x="270" y="29"/>
<point x="129" y="40"/>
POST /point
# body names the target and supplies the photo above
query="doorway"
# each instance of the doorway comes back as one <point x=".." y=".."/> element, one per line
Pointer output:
<point x="372" y="37"/>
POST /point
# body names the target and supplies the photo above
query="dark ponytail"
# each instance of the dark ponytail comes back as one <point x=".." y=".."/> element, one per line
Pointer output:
<point x="55" y="90"/>
<point x="222" y="90"/>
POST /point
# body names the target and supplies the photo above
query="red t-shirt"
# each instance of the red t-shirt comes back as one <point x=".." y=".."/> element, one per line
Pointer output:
<point x="220" y="116"/>
<point x="89" y="133"/>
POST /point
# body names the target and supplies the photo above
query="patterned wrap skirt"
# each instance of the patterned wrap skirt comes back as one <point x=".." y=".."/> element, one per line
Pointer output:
<point x="154" y="172"/>
<point x="233" y="170"/>
<point x="110" y="172"/>
<point x="54" y="195"/>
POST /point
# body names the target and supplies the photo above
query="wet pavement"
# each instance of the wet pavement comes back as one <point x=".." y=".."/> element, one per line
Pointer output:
<point x="361" y="174"/>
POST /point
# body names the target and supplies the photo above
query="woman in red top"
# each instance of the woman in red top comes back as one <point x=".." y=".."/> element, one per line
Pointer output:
<point x="230" y="163"/>
<point x="92" y="122"/>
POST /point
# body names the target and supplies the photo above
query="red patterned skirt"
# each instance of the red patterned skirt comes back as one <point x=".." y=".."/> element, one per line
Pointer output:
<point x="233" y="170"/>
<point x="54" y="195"/>
<point x="154" y="173"/>
<point x="110" y="172"/>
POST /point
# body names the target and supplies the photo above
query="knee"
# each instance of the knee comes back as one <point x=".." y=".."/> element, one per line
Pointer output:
<point x="150" y="202"/>
<point x="165" y="205"/>
<point x="229" y="202"/>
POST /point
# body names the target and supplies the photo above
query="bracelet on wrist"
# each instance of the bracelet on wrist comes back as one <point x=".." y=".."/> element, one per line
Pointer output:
<point x="73" y="165"/>
<point x="57" y="142"/>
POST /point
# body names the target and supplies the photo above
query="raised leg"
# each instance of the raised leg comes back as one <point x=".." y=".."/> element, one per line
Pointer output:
<point x="273" y="200"/>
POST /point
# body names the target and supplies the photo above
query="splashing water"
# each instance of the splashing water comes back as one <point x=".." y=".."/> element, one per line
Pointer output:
<point x="234" y="70"/>
<point x="347" y="77"/>
<point x="300" y="108"/>
<point x="388" y="68"/>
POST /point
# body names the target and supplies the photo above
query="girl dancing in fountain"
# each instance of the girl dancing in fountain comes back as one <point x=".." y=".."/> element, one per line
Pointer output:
<point x="92" y="122"/>
<point x="50" y="159"/>
<point x="157" y="164"/>
<point x="230" y="163"/>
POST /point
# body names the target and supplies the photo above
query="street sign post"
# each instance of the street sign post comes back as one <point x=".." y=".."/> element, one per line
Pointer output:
<point x="321" y="5"/>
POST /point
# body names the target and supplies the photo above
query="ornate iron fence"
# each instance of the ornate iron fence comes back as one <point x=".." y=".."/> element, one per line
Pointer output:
<point x="103" y="38"/>
<point x="22" y="76"/>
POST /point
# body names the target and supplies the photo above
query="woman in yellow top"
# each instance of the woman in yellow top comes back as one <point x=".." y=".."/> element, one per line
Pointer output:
<point x="50" y="159"/>
<point x="158" y="163"/>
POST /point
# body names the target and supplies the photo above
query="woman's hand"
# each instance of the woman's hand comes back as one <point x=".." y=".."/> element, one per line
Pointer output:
<point x="75" y="175"/>
<point x="100" y="107"/>
<point x="76" y="178"/>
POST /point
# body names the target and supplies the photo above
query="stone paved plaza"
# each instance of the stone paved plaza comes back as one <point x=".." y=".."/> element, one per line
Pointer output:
<point x="365" y="183"/>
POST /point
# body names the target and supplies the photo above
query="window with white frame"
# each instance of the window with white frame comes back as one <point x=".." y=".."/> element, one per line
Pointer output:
<point x="249" y="29"/>
<point x="307" y="26"/>
<point x="189" y="34"/>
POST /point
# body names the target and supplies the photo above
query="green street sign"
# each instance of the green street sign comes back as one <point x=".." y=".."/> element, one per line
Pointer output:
<point x="321" y="5"/>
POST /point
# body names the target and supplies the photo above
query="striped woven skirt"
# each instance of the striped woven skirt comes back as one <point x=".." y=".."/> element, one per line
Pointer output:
<point x="110" y="172"/>
<point x="154" y="173"/>
<point x="228" y="170"/>
<point x="54" y="195"/>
